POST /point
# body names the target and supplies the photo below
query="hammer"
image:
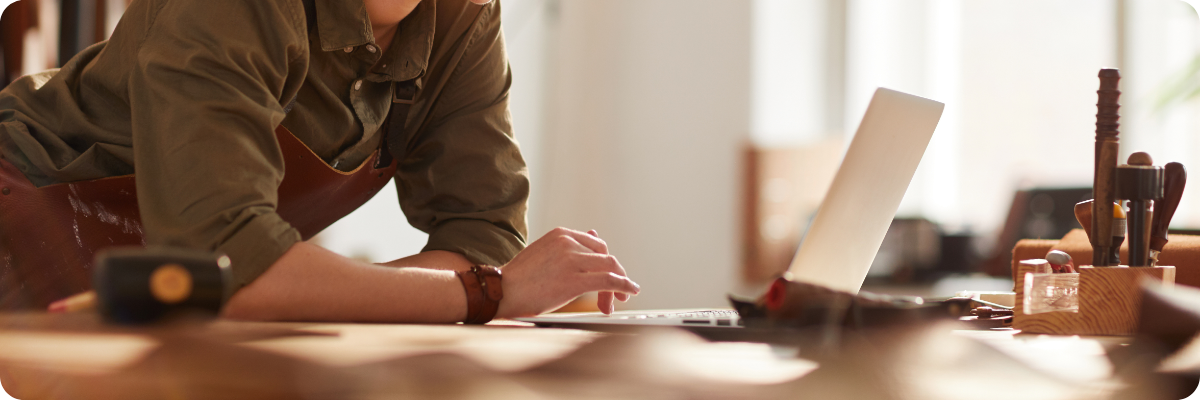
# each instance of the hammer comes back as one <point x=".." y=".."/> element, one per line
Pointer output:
<point x="135" y="285"/>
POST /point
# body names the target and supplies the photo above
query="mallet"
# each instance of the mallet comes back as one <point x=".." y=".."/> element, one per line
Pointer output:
<point x="135" y="285"/>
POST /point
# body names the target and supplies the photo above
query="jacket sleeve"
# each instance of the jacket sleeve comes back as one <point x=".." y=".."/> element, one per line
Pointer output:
<point x="462" y="178"/>
<point x="206" y="97"/>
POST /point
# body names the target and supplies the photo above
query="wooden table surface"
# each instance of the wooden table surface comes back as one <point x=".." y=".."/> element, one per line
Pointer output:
<point x="76" y="356"/>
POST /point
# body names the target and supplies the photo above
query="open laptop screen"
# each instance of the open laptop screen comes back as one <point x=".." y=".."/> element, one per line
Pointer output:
<point x="853" y="218"/>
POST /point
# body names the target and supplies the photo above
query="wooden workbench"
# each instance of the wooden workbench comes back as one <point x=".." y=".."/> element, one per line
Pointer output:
<point x="75" y="356"/>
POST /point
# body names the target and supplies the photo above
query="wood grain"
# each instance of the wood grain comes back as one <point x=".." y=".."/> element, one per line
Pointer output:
<point x="1109" y="298"/>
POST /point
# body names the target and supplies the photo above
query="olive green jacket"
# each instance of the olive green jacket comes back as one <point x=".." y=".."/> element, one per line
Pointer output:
<point x="186" y="95"/>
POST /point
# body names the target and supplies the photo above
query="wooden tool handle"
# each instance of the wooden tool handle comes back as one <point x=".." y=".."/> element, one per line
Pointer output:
<point x="1083" y="214"/>
<point x="1174" y="179"/>
<point x="1104" y="182"/>
<point x="1106" y="107"/>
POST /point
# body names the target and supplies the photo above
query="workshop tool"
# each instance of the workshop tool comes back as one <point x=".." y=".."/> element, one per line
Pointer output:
<point x="136" y="285"/>
<point x="85" y="301"/>
<point x="1103" y="180"/>
<point x="1174" y="179"/>
<point x="1083" y="214"/>
<point x="991" y="312"/>
<point x="144" y="285"/>
<point x="1106" y="301"/>
<point x="1141" y="183"/>
<point x="1060" y="261"/>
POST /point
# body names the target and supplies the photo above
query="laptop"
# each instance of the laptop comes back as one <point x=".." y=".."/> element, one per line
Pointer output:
<point x="850" y="224"/>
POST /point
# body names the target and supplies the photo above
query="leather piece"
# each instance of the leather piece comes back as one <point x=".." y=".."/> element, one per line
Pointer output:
<point x="491" y="282"/>
<point x="49" y="235"/>
<point x="482" y="285"/>
<point x="313" y="195"/>
<point x="474" y="292"/>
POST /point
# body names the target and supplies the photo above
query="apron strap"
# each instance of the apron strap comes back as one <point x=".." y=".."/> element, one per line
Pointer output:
<point x="404" y="95"/>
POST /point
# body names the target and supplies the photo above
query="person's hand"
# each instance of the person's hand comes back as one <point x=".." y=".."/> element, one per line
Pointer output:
<point x="559" y="267"/>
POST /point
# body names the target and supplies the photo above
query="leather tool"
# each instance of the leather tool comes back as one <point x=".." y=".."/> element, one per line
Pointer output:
<point x="1174" y="179"/>
<point x="1141" y="183"/>
<point x="1083" y="214"/>
<point x="1060" y="262"/>
<point x="1103" y="181"/>
<point x="136" y="285"/>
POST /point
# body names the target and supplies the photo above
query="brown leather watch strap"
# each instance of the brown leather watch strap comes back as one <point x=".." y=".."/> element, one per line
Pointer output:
<point x="482" y="285"/>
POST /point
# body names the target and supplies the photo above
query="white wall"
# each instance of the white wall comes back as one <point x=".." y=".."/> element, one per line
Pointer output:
<point x="796" y="77"/>
<point x="648" y="112"/>
<point x="1030" y="72"/>
<point x="1164" y="41"/>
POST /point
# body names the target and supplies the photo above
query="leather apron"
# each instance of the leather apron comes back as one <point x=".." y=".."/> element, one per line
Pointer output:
<point x="49" y="236"/>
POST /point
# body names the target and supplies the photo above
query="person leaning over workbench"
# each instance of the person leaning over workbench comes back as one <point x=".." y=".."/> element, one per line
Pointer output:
<point x="187" y="94"/>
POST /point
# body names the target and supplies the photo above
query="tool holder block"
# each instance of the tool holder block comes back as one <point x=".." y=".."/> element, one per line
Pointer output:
<point x="1109" y="302"/>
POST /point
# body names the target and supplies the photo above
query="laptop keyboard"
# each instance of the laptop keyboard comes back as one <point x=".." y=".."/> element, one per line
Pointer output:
<point x="695" y="318"/>
<point x="713" y="317"/>
<point x="692" y="314"/>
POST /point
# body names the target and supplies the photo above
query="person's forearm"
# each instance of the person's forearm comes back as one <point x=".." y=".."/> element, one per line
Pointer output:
<point x="310" y="283"/>
<point x="435" y="259"/>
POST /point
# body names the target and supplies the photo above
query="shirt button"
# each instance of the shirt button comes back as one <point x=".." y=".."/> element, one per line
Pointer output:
<point x="371" y="48"/>
<point x="348" y="49"/>
<point x="358" y="84"/>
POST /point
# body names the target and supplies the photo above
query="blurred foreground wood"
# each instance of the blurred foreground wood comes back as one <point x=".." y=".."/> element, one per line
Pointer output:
<point x="76" y="357"/>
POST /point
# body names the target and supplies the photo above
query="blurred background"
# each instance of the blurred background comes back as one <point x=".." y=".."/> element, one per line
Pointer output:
<point x="698" y="136"/>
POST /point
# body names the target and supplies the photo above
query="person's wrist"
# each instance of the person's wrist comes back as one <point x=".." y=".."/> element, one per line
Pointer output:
<point x="508" y="304"/>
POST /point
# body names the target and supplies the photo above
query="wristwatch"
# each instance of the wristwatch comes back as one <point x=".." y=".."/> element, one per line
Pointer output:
<point x="482" y="285"/>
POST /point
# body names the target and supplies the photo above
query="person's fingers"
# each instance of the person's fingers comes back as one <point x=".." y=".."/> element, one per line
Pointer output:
<point x="601" y="281"/>
<point x="617" y="295"/>
<point x="570" y="244"/>
<point x="604" y="301"/>
<point x="602" y="263"/>
<point x="592" y="243"/>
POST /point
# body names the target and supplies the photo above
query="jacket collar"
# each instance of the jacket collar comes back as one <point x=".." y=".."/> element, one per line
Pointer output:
<point x="344" y="23"/>
<point x="411" y="48"/>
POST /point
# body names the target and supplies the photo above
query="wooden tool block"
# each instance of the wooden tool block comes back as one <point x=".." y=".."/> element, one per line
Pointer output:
<point x="1183" y="251"/>
<point x="1109" y="301"/>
